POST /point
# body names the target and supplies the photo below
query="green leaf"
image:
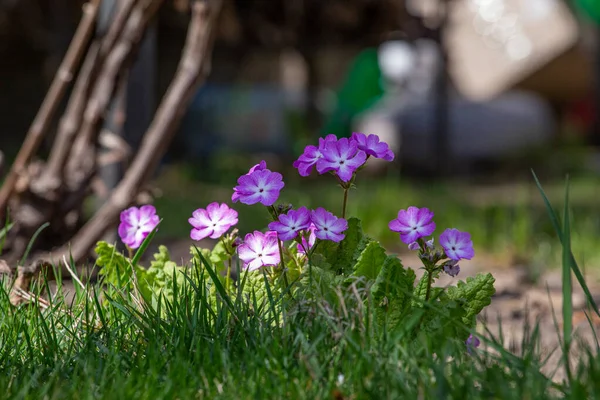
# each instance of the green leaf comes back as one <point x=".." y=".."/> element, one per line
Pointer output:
<point x="114" y="266"/>
<point x="370" y="261"/>
<point x="392" y="291"/>
<point x="343" y="255"/>
<point x="473" y="295"/>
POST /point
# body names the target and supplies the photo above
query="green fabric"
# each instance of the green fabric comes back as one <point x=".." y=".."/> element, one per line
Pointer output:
<point x="360" y="90"/>
<point x="591" y="8"/>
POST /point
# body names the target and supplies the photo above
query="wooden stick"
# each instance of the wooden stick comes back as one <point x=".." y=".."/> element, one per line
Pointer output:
<point x="70" y="123"/>
<point x="52" y="100"/>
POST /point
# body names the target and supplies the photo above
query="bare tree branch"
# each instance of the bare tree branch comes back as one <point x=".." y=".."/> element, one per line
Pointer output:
<point x="69" y="124"/>
<point x="51" y="102"/>
<point x="193" y="68"/>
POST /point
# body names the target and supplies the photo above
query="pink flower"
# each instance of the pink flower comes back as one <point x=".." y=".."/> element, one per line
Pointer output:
<point x="213" y="221"/>
<point x="288" y="225"/>
<point x="373" y="147"/>
<point x="327" y="225"/>
<point x="343" y="157"/>
<point x="311" y="155"/>
<point x="259" y="249"/>
<point x="258" y="167"/>
<point x="413" y="223"/>
<point x="136" y="224"/>
<point x="258" y="186"/>
<point x="457" y="244"/>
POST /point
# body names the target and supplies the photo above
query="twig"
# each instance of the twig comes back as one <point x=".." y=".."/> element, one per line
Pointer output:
<point x="117" y="25"/>
<point x="70" y="123"/>
<point x="51" y="102"/>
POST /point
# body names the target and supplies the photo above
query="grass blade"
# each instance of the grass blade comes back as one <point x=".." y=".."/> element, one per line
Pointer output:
<point x="140" y="251"/>
<point x="567" y="287"/>
<point x="559" y="232"/>
<point x="33" y="238"/>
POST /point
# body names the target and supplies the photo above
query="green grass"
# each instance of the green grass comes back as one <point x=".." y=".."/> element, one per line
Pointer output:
<point x="506" y="221"/>
<point x="113" y="348"/>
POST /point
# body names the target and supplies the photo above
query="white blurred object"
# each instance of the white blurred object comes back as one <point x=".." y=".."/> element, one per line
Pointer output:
<point x="396" y="60"/>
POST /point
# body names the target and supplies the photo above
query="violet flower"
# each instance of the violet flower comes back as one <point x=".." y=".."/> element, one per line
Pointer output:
<point x="136" y="224"/>
<point x="213" y="221"/>
<point x="457" y="245"/>
<point x="288" y="225"/>
<point x="311" y="155"/>
<point x="343" y="157"/>
<point x="327" y="225"/>
<point x="259" y="186"/>
<point x="472" y="343"/>
<point x="373" y="147"/>
<point x="258" y="167"/>
<point x="413" y="223"/>
<point x="259" y="249"/>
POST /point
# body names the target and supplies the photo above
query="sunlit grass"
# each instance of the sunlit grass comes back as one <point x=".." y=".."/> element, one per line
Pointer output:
<point x="117" y="348"/>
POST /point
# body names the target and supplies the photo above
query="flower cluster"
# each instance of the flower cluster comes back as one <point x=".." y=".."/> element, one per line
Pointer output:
<point x="414" y="224"/>
<point x="323" y="223"/>
<point x="342" y="156"/>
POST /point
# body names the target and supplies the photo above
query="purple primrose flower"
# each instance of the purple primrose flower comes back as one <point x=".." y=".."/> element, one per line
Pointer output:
<point x="311" y="155"/>
<point x="327" y="225"/>
<point x="457" y="244"/>
<point x="259" y="249"/>
<point x="343" y="157"/>
<point x="213" y="221"/>
<point x="373" y="147"/>
<point x="258" y="186"/>
<point x="136" y="224"/>
<point x="413" y="223"/>
<point x="258" y="167"/>
<point x="288" y="225"/>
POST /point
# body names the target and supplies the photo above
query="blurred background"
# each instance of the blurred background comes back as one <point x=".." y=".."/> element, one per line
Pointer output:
<point x="470" y="94"/>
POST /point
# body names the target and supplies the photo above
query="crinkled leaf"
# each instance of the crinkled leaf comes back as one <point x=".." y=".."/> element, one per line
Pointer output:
<point x="392" y="291"/>
<point x="370" y="261"/>
<point x="473" y="295"/>
<point x="343" y="255"/>
<point x="114" y="266"/>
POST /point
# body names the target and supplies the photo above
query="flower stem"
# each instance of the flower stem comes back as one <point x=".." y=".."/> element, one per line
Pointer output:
<point x="285" y="280"/>
<point x="429" y="282"/>
<point x="228" y="278"/>
<point x="345" y="201"/>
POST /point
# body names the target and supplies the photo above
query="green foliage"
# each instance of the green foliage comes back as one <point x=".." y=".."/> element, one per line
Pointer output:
<point x="392" y="292"/>
<point x="342" y="256"/>
<point x="472" y="296"/>
<point x="370" y="261"/>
